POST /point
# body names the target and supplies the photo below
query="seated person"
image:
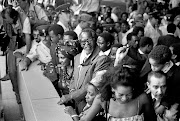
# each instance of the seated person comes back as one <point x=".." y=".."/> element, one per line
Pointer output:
<point x="42" y="50"/>
<point x="157" y="93"/>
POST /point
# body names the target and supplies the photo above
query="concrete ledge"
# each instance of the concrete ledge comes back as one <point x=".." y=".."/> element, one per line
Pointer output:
<point x="39" y="97"/>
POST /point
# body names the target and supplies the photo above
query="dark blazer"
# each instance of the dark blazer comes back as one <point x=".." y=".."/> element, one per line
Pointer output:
<point x="164" y="101"/>
<point x="136" y="59"/>
<point x="53" y="54"/>
<point x="167" y="40"/>
<point x="173" y="82"/>
<point x="88" y="70"/>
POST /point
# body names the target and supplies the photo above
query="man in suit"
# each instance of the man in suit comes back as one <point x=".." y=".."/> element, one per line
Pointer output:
<point x="169" y="39"/>
<point x="86" y="64"/>
<point x="160" y="60"/>
<point x="137" y="56"/>
<point x="157" y="85"/>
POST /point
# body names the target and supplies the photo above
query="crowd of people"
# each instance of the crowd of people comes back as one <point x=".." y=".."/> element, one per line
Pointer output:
<point x="106" y="65"/>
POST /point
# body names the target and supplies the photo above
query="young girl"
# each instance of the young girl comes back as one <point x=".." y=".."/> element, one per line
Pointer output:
<point x="92" y="91"/>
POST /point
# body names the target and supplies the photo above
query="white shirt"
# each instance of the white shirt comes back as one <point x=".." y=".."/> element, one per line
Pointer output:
<point x="139" y="50"/>
<point x="124" y="40"/>
<point x="41" y="52"/>
<point x="26" y="26"/>
<point x="114" y="17"/>
<point x="167" y="67"/>
<point x="63" y="26"/>
<point x="150" y="31"/>
<point x="23" y="49"/>
<point x="83" y="56"/>
<point x="78" y="30"/>
<point x="104" y="53"/>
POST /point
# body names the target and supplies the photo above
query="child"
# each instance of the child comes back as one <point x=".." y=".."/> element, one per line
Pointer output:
<point x="92" y="91"/>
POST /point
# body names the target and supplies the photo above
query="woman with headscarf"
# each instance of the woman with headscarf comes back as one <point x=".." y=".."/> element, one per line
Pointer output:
<point x="65" y="68"/>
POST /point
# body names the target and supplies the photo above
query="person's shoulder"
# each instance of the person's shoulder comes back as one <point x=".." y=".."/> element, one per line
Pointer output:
<point x="38" y="7"/>
<point x="144" y="98"/>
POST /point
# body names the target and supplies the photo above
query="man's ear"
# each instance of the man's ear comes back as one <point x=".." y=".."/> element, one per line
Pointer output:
<point x="147" y="83"/>
<point x="60" y="37"/>
<point x="174" y="56"/>
<point x="108" y="44"/>
<point x="112" y="90"/>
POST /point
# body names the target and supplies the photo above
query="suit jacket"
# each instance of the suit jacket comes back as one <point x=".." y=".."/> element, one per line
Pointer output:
<point x="173" y="82"/>
<point x="85" y="72"/>
<point x="135" y="59"/>
<point x="164" y="100"/>
<point x="167" y="40"/>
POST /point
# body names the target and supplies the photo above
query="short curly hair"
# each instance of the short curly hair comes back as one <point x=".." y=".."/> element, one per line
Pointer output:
<point x="115" y="76"/>
<point x="161" y="54"/>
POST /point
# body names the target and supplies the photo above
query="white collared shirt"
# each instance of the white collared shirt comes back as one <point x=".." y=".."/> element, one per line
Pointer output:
<point x="23" y="49"/>
<point x="167" y="67"/>
<point x="78" y="30"/>
<point x="104" y="53"/>
<point x="83" y="56"/>
<point x="139" y="50"/>
<point x="41" y="52"/>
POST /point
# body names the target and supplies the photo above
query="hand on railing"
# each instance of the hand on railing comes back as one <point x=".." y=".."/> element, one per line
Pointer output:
<point x="24" y="66"/>
<point x="64" y="99"/>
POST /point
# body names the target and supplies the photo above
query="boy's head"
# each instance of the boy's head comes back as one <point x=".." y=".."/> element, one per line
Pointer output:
<point x="175" y="50"/>
<point x="157" y="84"/>
<point x="56" y="33"/>
<point x="159" y="57"/>
<point x="146" y="44"/>
<point x="113" y="50"/>
<point x="104" y="41"/>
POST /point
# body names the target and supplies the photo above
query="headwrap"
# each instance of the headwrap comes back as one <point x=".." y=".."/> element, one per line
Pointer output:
<point x="68" y="51"/>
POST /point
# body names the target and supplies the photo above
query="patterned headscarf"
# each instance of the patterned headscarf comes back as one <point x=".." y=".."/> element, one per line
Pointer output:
<point x="67" y="51"/>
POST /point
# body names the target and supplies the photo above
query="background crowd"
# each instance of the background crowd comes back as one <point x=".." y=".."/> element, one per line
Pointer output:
<point x="105" y="63"/>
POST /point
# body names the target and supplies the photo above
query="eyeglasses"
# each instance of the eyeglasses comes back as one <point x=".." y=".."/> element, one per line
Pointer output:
<point x="83" y="42"/>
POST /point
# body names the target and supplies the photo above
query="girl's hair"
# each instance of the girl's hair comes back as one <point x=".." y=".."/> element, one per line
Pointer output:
<point x="96" y="89"/>
<point x="116" y="76"/>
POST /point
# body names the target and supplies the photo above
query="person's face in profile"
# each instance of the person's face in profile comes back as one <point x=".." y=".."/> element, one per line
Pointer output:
<point x="91" y="94"/>
<point x="154" y="65"/>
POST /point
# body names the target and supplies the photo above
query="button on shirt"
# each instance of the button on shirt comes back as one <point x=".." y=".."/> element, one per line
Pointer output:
<point x="40" y="52"/>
